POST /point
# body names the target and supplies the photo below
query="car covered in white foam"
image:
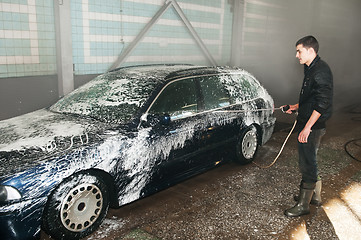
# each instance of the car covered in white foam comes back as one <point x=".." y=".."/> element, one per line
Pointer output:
<point x="124" y="135"/>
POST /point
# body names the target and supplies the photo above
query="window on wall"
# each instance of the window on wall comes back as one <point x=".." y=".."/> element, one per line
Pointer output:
<point x="27" y="42"/>
<point x="263" y="21"/>
<point x="102" y="31"/>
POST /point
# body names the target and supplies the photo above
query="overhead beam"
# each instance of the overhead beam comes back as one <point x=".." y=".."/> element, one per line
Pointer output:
<point x="193" y="32"/>
<point x="121" y="59"/>
<point x="140" y="36"/>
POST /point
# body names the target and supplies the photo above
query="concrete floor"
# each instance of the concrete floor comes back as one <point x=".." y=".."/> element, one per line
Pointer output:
<point x="247" y="202"/>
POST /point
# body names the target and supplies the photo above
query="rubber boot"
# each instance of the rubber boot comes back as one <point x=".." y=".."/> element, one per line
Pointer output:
<point x="303" y="205"/>
<point x="316" y="197"/>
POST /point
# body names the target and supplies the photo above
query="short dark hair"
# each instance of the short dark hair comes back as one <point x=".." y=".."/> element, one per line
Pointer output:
<point x="309" y="42"/>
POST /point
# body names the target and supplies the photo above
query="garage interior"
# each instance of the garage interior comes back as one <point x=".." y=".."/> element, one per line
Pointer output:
<point x="49" y="48"/>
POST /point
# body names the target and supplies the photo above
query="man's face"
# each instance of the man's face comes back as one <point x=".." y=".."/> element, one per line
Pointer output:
<point x="305" y="55"/>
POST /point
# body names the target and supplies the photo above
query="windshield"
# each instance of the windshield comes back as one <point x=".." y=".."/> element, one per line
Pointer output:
<point x="112" y="97"/>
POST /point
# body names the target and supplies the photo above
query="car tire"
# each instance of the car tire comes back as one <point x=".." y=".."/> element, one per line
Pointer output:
<point x="76" y="207"/>
<point x="247" y="145"/>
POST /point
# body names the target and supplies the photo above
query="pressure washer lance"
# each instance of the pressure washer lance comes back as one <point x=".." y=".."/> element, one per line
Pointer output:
<point x="284" y="109"/>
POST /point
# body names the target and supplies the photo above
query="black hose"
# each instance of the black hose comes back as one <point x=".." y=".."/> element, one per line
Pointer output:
<point x="358" y="119"/>
<point x="354" y="110"/>
<point x="355" y="143"/>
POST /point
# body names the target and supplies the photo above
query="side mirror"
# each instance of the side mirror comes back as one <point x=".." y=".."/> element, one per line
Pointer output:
<point x="156" y="119"/>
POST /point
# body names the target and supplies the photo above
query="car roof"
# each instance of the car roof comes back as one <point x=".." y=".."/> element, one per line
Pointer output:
<point x="159" y="71"/>
<point x="163" y="73"/>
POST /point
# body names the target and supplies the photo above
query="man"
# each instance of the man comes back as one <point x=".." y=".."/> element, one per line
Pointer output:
<point x="314" y="109"/>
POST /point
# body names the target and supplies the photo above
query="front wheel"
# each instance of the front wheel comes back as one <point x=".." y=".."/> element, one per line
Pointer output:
<point x="76" y="207"/>
<point x="247" y="145"/>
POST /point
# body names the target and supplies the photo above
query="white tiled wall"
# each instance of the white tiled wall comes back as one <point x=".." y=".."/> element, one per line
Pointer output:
<point x="27" y="38"/>
<point x="101" y="30"/>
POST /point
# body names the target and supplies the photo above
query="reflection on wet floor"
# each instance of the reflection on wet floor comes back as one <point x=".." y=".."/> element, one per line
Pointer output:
<point x="345" y="213"/>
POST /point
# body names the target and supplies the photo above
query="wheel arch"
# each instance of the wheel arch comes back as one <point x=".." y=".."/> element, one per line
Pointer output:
<point x="106" y="177"/>
<point x="103" y="178"/>
<point x="246" y="146"/>
<point x="109" y="180"/>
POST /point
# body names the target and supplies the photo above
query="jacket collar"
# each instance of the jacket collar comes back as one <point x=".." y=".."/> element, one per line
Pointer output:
<point x="306" y="68"/>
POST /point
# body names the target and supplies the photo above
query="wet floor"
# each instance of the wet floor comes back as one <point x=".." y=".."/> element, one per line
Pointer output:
<point x="247" y="202"/>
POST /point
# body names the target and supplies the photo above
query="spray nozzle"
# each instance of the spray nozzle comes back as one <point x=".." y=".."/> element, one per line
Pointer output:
<point x="285" y="108"/>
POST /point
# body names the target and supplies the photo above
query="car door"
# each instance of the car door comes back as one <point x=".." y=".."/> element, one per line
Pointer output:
<point x="221" y="122"/>
<point x="178" y="102"/>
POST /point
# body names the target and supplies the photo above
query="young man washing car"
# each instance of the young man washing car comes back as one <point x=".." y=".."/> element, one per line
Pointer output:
<point x="314" y="109"/>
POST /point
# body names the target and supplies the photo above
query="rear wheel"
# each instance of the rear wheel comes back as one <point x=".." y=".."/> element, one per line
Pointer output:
<point x="247" y="145"/>
<point x="76" y="207"/>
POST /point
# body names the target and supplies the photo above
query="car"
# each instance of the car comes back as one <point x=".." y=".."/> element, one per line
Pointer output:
<point x="122" y="136"/>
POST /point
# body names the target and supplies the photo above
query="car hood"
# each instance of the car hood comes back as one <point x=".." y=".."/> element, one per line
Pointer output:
<point x="29" y="138"/>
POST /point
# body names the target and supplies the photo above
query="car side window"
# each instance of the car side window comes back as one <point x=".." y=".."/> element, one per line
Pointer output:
<point x="249" y="87"/>
<point x="214" y="94"/>
<point x="179" y="99"/>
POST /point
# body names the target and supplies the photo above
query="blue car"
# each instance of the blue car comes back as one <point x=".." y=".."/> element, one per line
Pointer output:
<point x="122" y="136"/>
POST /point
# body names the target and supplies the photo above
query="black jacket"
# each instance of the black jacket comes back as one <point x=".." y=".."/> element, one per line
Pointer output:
<point x="316" y="94"/>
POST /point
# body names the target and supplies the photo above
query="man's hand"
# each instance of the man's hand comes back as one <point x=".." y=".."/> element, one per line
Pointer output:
<point x="292" y="109"/>
<point x="303" y="136"/>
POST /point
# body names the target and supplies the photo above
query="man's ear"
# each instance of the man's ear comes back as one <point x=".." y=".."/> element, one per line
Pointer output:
<point x="311" y="50"/>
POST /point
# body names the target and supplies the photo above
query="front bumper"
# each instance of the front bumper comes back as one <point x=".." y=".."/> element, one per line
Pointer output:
<point x="21" y="220"/>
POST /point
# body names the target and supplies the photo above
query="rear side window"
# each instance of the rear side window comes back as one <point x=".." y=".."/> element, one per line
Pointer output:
<point x="242" y="87"/>
<point x="179" y="99"/>
<point x="250" y="87"/>
<point x="214" y="94"/>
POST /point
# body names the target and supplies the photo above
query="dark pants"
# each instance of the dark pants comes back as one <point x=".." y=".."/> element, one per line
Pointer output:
<point x="307" y="156"/>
